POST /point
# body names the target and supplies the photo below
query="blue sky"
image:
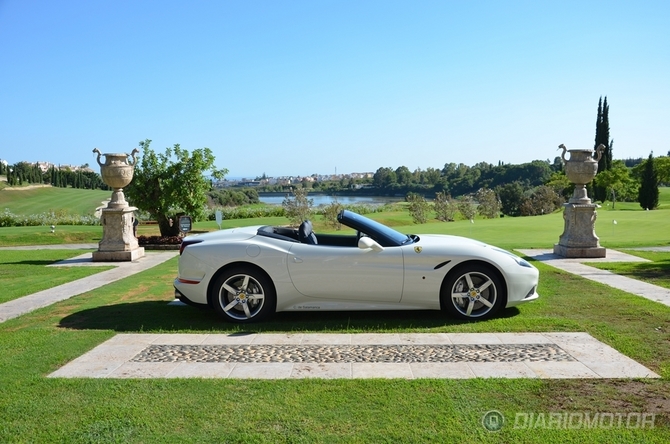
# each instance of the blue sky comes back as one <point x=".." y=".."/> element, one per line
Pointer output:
<point x="303" y="87"/>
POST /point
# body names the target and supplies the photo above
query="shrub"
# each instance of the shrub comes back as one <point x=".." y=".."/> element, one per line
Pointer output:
<point x="489" y="204"/>
<point x="467" y="207"/>
<point x="158" y="240"/>
<point x="330" y="212"/>
<point x="60" y="217"/>
<point x="445" y="207"/>
<point x="418" y="208"/>
<point x="297" y="208"/>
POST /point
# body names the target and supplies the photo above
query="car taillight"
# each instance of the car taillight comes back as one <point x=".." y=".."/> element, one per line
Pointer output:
<point x="186" y="243"/>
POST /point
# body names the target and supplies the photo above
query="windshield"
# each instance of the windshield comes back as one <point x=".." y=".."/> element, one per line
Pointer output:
<point x="381" y="233"/>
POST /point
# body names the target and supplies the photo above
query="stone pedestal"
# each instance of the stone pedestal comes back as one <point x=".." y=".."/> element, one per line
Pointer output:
<point x="579" y="234"/>
<point x="118" y="240"/>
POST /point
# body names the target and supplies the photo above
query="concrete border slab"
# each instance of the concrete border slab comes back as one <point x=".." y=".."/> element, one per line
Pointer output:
<point x="26" y="304"/>
<point x="579" y="267"/>
<point x="581" y="356"/>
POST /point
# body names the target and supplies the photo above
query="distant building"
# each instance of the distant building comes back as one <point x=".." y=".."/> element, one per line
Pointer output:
<point x="44" y="166"/>
<point x="289" y="180"/>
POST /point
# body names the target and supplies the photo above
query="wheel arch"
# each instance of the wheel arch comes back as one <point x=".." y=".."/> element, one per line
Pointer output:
<point x="464" y="265"/>
<point x="227" y="267"/>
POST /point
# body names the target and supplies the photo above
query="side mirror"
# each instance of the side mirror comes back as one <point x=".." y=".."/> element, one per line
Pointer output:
<point x="365" y="243"/>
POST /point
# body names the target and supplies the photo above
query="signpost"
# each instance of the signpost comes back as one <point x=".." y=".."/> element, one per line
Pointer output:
<point x="185" y="224"/>
<point x="219" y="218"/>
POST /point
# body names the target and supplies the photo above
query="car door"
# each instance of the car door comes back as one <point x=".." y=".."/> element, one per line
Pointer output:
<point x="348" y="273"/>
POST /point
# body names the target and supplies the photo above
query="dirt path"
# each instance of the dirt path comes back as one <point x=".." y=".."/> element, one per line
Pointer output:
<point x="27" y="187"/>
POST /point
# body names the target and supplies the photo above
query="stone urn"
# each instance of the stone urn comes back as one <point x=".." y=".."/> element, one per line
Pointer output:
<point x="117" y="172"/>
<point x="117" y="219"/>
<point x="580" y="169"/>
<point x="579" y="238"/>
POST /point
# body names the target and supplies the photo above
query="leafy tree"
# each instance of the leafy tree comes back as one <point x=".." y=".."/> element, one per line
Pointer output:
<point x="384" y="177"/>
<point x="403" y="175"/>
<point x="617" y="182"/>
<point x="648" y="194"/>
<point x="164" y="186"/>
<point x="418" y="208"/>
<point x="543" y="200"/>
<point x="430" y="176"/>
<point x="231" y="198"/>
<point x="560" y="183"/>
<point x="663" y="168"/>
<point x="511" y="197"/>
<point x="489" y="204"/>
<point x="445" y="207"/>
<point x="297" y="208"/>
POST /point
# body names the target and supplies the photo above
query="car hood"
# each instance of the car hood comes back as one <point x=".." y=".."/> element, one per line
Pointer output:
<point x="463" y="246"/>
<point x="445" y="240"/>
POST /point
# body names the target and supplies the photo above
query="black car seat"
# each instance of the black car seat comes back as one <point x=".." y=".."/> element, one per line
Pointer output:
<point x="306" y="234"/>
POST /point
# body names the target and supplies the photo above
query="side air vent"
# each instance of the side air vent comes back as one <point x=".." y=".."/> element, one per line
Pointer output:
<point x="442" y="264"/>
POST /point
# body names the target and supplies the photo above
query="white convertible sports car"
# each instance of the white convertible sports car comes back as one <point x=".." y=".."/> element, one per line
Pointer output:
<point x="247" y="274"/>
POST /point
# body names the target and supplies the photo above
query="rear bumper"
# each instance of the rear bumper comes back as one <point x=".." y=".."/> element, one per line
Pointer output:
<point x="179" y="295"/>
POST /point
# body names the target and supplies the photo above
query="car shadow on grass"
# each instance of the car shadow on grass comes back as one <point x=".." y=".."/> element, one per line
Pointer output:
<point x="40" y="263"/>
<point x="158" y="316"/>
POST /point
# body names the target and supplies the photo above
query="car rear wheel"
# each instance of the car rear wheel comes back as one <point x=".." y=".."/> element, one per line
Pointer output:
<point x="473" y="292"/>
<point x="244" y="294"/>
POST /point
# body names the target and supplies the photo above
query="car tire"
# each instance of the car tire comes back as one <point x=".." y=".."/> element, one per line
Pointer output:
<point x="244" y="294"/>
<point x="473" y="292"/>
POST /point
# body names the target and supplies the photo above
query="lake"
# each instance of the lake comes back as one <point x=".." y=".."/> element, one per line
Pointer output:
<point x="323" y="199"/>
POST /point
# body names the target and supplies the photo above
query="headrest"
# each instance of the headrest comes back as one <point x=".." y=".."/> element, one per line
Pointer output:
<point x="305" y="229"/>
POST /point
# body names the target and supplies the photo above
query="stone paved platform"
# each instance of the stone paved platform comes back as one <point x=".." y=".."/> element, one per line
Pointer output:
<point x="405" y="356"/>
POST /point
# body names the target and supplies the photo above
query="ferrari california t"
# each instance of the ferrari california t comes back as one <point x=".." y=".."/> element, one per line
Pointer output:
<point x="247" y="274"/>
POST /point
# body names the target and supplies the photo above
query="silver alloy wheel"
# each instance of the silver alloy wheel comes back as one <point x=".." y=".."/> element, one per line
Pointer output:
<point x="474" y="294"/>
<point x="241" y="297"/>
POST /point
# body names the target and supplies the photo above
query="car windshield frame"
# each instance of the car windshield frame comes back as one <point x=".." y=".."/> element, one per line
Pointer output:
<point x="385" y="236"/>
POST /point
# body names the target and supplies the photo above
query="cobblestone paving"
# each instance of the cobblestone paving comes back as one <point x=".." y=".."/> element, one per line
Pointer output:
<point x="354" y="353"/>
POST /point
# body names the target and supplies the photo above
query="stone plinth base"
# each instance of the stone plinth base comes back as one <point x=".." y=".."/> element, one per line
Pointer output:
<point x="579" y="234"/>
<point x="118" y="256"/>
<point x="585" y="252"/>
<point x="118" y="243"/>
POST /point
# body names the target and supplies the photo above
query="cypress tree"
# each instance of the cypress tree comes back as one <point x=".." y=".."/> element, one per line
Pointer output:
<point x="603" y="134"/>
<point x="648" y="194"/>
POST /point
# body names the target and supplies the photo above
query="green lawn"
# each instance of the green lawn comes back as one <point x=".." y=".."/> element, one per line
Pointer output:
<point x="632" y="229"/>
<point x="46" y="199"/>
<point x="26" y="272"/>
<point x="626" y="226"/>
<point x="656" y="272"/>
<point x="34" y="408"/>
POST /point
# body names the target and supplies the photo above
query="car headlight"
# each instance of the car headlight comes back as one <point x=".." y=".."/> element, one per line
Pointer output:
<point x="522" y="262"/>
<point x="516" y="258"/>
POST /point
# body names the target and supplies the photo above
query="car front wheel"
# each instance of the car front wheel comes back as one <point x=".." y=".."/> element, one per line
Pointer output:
<point x="473" y="292"/>
<point x="243" y="295"/>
